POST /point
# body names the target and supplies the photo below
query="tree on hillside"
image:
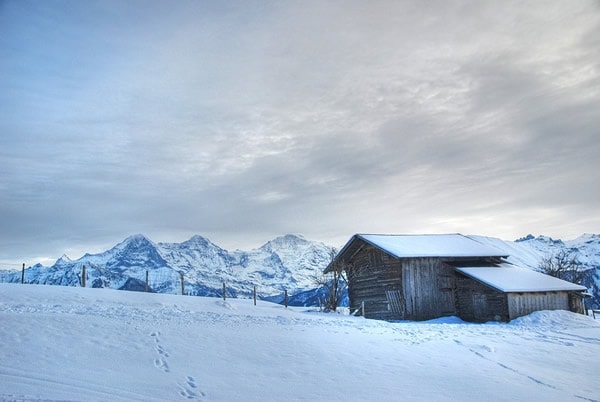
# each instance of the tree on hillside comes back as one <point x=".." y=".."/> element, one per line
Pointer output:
<point x="563" y="265"/>
<point x="335" y="284"/>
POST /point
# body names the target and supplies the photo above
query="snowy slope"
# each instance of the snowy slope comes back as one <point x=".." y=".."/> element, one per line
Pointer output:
<point x="67" y="343"/>
<point x="529" y="250"/>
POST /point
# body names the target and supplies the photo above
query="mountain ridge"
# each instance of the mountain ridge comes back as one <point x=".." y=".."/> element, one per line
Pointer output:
<point x="275" y="267"/>
<point x="285" y="263"/>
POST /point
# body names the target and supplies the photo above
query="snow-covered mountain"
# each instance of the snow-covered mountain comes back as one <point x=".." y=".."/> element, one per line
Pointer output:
<point x="288" y="262"/>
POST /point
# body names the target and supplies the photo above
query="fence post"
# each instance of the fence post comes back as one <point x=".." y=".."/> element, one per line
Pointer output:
<point x="286" y="299"/>
<point x="362" y="307"/>
<point x="146" y="280"/>
<point x="23" y="274"/>
<point x="255" y="295"/>
<point x="224" y="291"/>
<point x="83" y="276"/>
<point x="182" y="286"/>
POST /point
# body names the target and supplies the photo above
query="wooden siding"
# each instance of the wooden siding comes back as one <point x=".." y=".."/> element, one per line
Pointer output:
<point x="520" y="304"/>
<point x="576" y="303"/>
<point x="477" y="302"/>
<point x="428" y="286"/>
<point x="375" y="279"/>
<point x="400" y="289"/>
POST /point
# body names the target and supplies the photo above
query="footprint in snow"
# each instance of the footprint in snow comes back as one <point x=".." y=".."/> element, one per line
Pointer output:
<point x="188" y="389"/>
<point x="161" y="351"/>
<point x="162" y="364"/>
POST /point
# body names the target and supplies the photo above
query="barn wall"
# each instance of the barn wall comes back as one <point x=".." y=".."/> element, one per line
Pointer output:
<point x="375" y="279"/>
<point x="406" y="289"/>
<point x="576" y="303"/>
<point x="428" y="288"/>
<point x="520" y="304"/>
<point x="477" y="302"/>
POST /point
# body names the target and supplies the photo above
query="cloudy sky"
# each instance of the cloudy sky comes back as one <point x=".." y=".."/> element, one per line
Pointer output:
<point x="245" y="120"/>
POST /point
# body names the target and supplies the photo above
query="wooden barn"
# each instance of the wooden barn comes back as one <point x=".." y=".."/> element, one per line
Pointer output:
<point x="420" y="277"/>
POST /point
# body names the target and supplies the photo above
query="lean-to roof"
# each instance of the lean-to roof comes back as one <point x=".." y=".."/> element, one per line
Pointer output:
<point x="509" y="278"/>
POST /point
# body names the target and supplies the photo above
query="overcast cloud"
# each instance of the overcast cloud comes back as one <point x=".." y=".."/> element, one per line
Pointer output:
<point x="246" y="120"/>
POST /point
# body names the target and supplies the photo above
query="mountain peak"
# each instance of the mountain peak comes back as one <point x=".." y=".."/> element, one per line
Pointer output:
<point x="136" y="250"/>
<point x="198" y="239"/>
<point x="198" y="242"/>
<point x="588" y="238"/>
<point x="525" y="238"/>
<point x="136" y="238"/>
<point x="548" y="240"/>
<point x="64" y="259"/>
<point x="285" y="242"/>
<point x="136" y="241"/>
<point x="540" y="239"/>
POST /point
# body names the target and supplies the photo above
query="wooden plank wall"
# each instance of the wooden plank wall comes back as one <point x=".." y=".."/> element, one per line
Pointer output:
<point x="576" y="303"/>
<point x="520" y="304"/>
<point x="476" y="302"/>
<point x="374" y="274"/>
<point x="428" y="286"/>
<point x="394" y="289"/>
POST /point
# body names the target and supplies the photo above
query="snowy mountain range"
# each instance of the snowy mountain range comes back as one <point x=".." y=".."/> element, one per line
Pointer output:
<point x="285" y="263"/>
<point x="288" y="262"/>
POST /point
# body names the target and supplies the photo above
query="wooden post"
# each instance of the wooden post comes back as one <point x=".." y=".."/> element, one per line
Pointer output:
<point x="255" y="295"/>
<point x="83" y="276"/>
<point x="224" y="291"/>
<point x="362" y="308"/>
<point x="286" y="299"/>
<point x="146" y="280"/>
<point x="23" y="274"/>
<point x="182" y="286"/>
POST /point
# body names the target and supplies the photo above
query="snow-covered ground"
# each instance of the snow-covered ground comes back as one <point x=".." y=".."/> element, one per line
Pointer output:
<point x="65" y="343"/>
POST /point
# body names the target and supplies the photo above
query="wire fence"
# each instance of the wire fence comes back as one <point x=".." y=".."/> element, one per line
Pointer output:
<point x="83" y="278"/>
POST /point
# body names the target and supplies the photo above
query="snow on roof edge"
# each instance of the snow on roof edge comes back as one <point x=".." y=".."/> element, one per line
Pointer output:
<point x="511" y="278"/>
<point x="445" y="245"/>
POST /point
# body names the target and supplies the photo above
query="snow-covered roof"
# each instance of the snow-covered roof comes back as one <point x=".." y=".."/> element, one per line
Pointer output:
<point x="439" y="245"/>
<point x="510" y="278"/>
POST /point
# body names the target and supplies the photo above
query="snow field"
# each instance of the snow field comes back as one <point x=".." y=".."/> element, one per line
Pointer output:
<point x="64" y="343"/>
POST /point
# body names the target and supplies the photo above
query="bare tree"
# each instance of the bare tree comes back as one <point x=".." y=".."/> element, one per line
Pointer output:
<point x="564" y="265"/>
<point x="334" y="282"/>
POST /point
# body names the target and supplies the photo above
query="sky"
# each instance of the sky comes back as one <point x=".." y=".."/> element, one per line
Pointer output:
<point x="245" y="120"/>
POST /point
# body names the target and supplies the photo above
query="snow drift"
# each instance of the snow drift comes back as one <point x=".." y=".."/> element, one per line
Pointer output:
<point x="66" y="343"/>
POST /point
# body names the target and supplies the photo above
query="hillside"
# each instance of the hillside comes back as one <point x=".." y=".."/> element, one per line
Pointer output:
<point x="67" y="343"/>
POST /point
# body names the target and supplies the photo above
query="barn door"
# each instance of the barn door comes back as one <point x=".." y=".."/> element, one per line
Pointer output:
<point x="394" y="299"/>
<point x="479" y="306"/>
<point x="445" y="300"/>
